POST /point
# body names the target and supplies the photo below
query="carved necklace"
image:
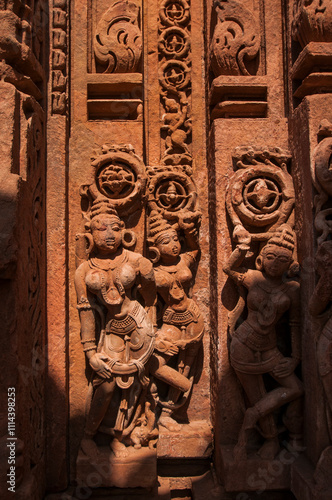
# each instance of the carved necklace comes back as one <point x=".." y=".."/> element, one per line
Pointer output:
<point x="107" y="264"/>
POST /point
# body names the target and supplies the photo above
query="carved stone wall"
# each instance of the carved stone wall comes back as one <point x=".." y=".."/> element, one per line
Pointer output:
<point x="165" y="241"/>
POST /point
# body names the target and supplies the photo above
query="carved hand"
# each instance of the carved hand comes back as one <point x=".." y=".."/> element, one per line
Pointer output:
<point x="285" y="368"/>
<point x="98" y="363"/>
<point x="242" y="237"/>
<point x="167" y="347"/>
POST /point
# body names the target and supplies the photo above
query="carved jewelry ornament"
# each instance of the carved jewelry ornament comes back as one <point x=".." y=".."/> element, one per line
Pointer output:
<point x="118" y="39"/>
<point x="235" y="39"/>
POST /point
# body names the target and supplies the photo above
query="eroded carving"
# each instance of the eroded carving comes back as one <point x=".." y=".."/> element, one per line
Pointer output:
<point x="312" y="21"/>
<point x="235" y="40"/>
<point x="118" y="39"/>
<point x="254" y="351"/>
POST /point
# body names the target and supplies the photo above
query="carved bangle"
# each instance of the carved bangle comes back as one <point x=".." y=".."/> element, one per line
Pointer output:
<point x="91" y="348"/>
<point x="84" y="307"/>
<point x="87" y="340"/>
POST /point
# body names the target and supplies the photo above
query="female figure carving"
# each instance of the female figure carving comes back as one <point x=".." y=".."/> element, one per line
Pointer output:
<point x="117" y="334"/>
<point x="182" y="324"/>
<point x="253" y="349"/>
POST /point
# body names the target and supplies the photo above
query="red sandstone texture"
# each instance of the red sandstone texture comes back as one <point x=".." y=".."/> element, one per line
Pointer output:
<point x="166" y="248"/>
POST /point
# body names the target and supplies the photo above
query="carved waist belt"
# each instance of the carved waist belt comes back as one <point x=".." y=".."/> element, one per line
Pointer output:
<point x="255" y="340"/>
<point x="182" y="318"/>
<point x="125" y="325"/>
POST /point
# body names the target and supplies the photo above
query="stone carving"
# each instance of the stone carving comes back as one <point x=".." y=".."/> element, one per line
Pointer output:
<point x="117" y="335"/>
<point x="21" y="39"/>
<point x="260" y="195"/>
<point x="59" y="57"/>
<point x="235" y="40"/>
<point x="312" y="21"/>
<point x="174" y="77"/>
<point x="119" y="177"/>
<point x="320" y="303"/>
<point x="118" y="39"/>
<point x="322" y="179"/>
<point x="172" y="202"/>
<point x="254" y="352"/>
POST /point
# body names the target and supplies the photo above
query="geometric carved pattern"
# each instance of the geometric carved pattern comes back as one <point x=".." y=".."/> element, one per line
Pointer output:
<point x="59" y="57"/>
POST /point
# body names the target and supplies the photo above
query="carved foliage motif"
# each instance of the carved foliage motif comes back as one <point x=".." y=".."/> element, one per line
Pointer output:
<point x="235" y="39"/>
<point x="312" y="21"/>
<point x="174" y="77"/>
<point x="118" y="39"/>
<point x="260" y="203"/>
<point x="59" y="57"/>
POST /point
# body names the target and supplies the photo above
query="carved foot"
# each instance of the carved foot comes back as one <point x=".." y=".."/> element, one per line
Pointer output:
<point x="169" y="423"/>
<point x="269" y="449"/>
<point x="119" y="449"/>
<point x="89" y="447"/>
<point x="251" y="416"/>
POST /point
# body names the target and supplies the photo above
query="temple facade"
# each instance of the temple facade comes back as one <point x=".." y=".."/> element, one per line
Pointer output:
<point x="166" y="249"/>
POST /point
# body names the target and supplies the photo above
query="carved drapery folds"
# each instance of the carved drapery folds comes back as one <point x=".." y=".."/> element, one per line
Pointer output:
<point x="175" y="80"/>
<point x="59" y="57"/>
<point x="321" y="300"/>
<point x="260" y="204"/>
<point x="118" y="39"/>
<point x="235" y="39"/>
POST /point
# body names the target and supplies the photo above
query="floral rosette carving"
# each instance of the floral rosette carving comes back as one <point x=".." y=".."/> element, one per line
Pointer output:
<point x="118" y="39"/>
<point x="235" y="39"/>
<point x="312" y="21"/>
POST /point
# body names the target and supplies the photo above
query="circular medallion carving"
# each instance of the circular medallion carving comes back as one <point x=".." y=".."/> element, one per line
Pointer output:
<point x="174" y="75"/>
<point x="174" y="12"/>
<point x="174" y="42"/>
<point x="172" y="192"/>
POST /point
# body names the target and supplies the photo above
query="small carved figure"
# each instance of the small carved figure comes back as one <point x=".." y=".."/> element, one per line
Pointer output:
<point x="117" y="334"/>
<point x="182" y="324"/>
<point x="176" y="116"/>
<point x="253" y="349"/>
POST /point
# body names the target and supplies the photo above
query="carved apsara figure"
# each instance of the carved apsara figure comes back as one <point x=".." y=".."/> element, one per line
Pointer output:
<point x="182" y="324"/>
<point x="177" y="124"/>
<point x="117" y="335"/>
<point x="253" y="349"/>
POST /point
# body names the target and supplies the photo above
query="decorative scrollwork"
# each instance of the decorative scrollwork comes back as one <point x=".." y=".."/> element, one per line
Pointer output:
<point x="235" y="39"/>
<point x="260" y="193"/>
<point x="118" y="39"/>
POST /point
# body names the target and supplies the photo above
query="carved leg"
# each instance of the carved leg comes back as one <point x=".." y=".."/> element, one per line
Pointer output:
<point x="100" y="402"/>
<point x="254" y="388"/>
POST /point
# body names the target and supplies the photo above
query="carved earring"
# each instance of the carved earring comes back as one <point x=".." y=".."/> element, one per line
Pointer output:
<point x="154" y="255"/>
<point x="259" y="263"/>
<point x="90" y="243"/>
<point x="128" y="238"/>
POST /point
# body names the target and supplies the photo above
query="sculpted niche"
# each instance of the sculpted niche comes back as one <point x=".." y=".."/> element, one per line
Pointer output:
<point x="263" y="266"/>
<point x="141" y="331"/>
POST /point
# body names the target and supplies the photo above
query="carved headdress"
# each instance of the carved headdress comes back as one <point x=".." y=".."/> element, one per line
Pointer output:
<point x="282" y="237"/>
<point x="157" y="226"/>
